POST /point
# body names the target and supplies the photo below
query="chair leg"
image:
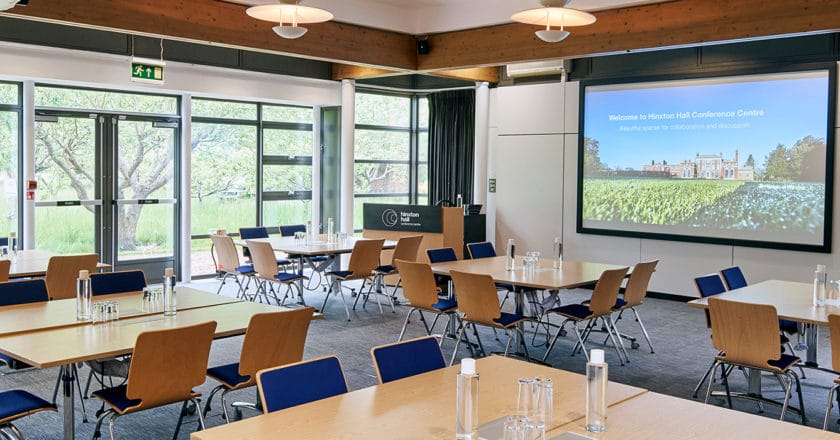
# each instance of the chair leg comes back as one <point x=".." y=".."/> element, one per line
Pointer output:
<point x="787" y="386"/>
<point x="803" y="418"/>
<point x="703" y="379"/>
<point x="644" y="331"/>
<point x="829" y="405"/>
<point x="725" y="377"/>
<point x="210" y="398"/>
<point x="15" y="433"/>
<point x="96" y="430"/>
<point x="111" y="425"/>
<point x="197" y="404"/>
<point x="405" y="323"/>
<point x="709" y="388"/>
<point x="457" y="342"/>
<point x="344" y="300"/>
<point x="225" y="406"/>
<point x="327" y="296"/>
<point x="79" y="390"/>
<point x="181" y="419"/>
<point x="554" y="340"/>
<point x="617" y="341"/>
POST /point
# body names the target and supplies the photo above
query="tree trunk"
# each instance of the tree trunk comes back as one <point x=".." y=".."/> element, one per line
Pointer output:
<point x="128" y="217"/>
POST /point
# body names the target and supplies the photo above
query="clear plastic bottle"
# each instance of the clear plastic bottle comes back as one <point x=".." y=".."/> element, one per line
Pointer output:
<point x="459" y="201"/>
<point x="596" y="392"/>
<point x="330" y="230"/>
<point x="466" y="423"/>
<point x="820" y="278"/>
<point x="510" y="255"/>
<point x="558" y="252"/>
<point x="12" y="245"/>
<point x="170" y="305"/>
<point x="83" y="297"/>
<point x="309" y="232"/>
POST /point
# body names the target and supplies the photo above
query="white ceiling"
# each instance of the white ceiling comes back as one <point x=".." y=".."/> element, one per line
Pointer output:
<point x="420" y="17"/>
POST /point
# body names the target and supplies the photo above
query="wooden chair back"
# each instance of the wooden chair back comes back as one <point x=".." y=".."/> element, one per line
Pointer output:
<point x="365" y="258"/>
<point x="5" y="266"/>
<point x="477" y="297"/>
<point x="265" y="262"/>
<point x="606" y="291"/>
<point x="407" y="248"/>
<point x="834" y="332"/>
<point x="747" y="333"/>
<point x="63" y="270"/>
<point x="228" y="258"/>
<point x="167" y="364"/>
<point x="274" y="339"/>
<point x="637" y="285"/>
<point x="418" y="283"/>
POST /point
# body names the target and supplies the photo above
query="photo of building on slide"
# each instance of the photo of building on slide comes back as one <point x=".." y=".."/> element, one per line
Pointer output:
<point x="714" y="158"/>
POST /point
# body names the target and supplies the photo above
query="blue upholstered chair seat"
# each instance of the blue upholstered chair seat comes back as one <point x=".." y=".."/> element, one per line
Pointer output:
<point x="387" y="268"/>
<point x="245" y="269"/>
<point x="286" y="277"/>
<point x="341" y="273"/>
<point x="6" y="359"/>
<point x="508" y="319"/>
<point x="508" y="287"/>
<point x="283" y="262"/>
<point x="619" y="303"/>
<point x="784" y="362"/>
<point x="314" y="258"/>
<point x="575" y="311"/>
<point x="788" y="327"/>
<point x="228" y="375"/>
<point x="445" y="305"/>
<point x="15" y="404"/>
<point x="116" y="398"/>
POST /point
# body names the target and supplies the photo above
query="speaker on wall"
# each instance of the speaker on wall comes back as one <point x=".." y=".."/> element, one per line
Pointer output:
<point x="423" y="47"/>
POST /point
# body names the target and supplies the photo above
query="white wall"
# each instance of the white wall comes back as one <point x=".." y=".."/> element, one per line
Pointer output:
<point x="534" y="143"/>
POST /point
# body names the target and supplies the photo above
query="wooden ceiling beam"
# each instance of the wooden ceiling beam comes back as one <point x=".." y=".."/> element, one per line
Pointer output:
<point x="487" y="74"/>
<point x="226" y="24"/>
<point x="676" y="23"/>
<point x="350" y="71"/>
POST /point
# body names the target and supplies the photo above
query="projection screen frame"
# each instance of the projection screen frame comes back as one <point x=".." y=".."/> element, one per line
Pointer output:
<point x="825" y="247"/>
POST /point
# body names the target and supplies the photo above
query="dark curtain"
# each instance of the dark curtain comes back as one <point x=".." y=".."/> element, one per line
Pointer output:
<point x="451" y="145"/>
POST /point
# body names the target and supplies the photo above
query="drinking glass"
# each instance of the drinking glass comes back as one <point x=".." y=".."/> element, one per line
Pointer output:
<point x="300" y="237"/>
<point x="544" y="404"/>
<point x="527" y="397"/>
<point x="514" y="428"/>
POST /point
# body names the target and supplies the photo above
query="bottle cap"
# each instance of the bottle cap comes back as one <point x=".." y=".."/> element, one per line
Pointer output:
<point x="84" y="275"/>
<point x="596" y="356"/>
<point x="12" y="234"/>
<point x="468" y="366"/>
<point x="169" y="272"/>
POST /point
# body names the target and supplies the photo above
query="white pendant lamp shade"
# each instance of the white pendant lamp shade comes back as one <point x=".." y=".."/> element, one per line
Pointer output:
<point x="7" y="4"/>
<point x="556" y="14"/>
<point x="289" y="14"/>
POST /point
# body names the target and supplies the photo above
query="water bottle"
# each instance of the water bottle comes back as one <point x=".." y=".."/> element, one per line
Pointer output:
<point x="330" y="230"/>
<point x="169" y="303"/>
<point x="820" y="278"/>
<point x="83" y="297"/>
<point x="466" y="424"/>
<point x="596" y="392"/>
<point x="509" y="254"/>
<point x="308" y="239"/>
<point x="13" y="244"/>
<point x="558" y="252"/>
<point x="459" y="201"/>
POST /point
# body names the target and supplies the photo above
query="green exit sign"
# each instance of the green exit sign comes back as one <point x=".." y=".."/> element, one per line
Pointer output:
<point x="146" y="72"/>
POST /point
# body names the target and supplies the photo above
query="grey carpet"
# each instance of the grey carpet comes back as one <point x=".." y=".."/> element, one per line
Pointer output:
<point x="679" y="334"/>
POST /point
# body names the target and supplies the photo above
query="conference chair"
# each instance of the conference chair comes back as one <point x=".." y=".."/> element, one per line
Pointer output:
<point x="229" y="264"/>
<point x="601" y="305"/>
<point x="165" y="367"/>
<point x="63" y="271"/>
<point x="15" y="404"/>
<point x="254" y="233"/>
<point x="834" y="331"/>
<point x="405" y="250"/>
<point x="707" y="285"/>
<point x="420" y="290"/>
<point x="302" y="382"/>
<point x="272" y="339"/>
<point x="634" y="296"/>
<point x="399" y="360"/>
<point x="14" y="293"/>
<point x="441" y="255"/>
<point x="268" y="273"/>
<point x="109" y="283"/>
<point x="478" y="301"/>
<point x="363" y="261"/>
<point x="747" y="335"/>
<point x="5" y="266"/>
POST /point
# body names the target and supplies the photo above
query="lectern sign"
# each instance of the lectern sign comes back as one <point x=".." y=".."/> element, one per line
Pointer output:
<point x="402" y="217"/>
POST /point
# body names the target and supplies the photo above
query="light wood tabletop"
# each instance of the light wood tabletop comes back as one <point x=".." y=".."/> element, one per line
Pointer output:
<point x="62" y="313"/>
<point x="33" y="263"/>
<point x="654" y="416"/>
<point x="318" y="247"/>
<point x="793" y="301"/>
<point x="419" y="407"/>
<point x="65" y="345"/>
<point x="570" y="274"/>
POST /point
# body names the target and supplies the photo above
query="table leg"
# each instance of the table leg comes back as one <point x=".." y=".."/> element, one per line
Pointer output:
<point x="68" y="379"/>
<point x="812" y="333"/>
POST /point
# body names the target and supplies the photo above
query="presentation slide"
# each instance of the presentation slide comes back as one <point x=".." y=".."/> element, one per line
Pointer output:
<point x="731" y="159"/>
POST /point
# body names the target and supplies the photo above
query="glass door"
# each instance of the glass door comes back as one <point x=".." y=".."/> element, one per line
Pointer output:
<point x="68" y="201"/>
<point x="144" y="190"/>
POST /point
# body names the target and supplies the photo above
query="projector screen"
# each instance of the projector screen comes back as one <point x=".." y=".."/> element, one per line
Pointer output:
<point x="740" y="160"/>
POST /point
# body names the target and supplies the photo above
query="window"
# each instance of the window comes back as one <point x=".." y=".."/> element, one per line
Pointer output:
<point x="10" y="111"/>
<point x="391" y="154"/>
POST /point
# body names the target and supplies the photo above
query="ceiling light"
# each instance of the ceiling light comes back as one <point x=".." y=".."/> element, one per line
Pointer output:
<point x="7" y="4"/>
<point x="554" y="13"/>
<point x="291" y="12"/>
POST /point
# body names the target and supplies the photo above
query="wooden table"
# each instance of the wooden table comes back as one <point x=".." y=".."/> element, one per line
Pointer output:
<point x="33" y="263"/>
<point x="418" y="407"/>
<point x="62" y="313"/>
<point x="653" y="416"/>
<point x="60" y="343"/>
<point x="793" y="301"/>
